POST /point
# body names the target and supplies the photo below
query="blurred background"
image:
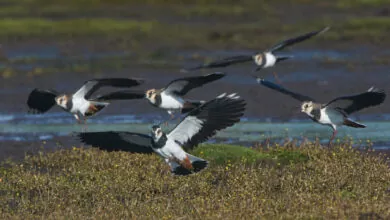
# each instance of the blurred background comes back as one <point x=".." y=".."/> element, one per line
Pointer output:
<point x="60" y="44"/>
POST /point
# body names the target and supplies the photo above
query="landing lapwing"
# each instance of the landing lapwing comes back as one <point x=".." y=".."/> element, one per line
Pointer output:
<point x="170" y="97"/>
<point x="80" y="104"/>
<point x="263" y="59"/>
<point x="334" y="113"/>
<point x="199" y="125"/>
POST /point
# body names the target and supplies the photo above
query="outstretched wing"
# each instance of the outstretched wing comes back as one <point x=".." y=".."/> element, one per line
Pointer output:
<point x="118" y="141"/>
<point x="222" y="63"/>
<point x="204" y="121"/>
<point x="297" y="39"/>
<point x="91" y="86"/>
<point x="283" y="90"/>
<point x="121" y="95"/>
<point x="184" y="85"/>
<point x="40" y="101"/>
<point x="354" y="103"/>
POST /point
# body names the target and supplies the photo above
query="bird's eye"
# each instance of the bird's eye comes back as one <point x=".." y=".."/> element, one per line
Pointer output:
<point x="306" y="106"/>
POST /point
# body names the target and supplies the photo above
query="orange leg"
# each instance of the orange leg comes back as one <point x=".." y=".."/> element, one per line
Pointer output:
<point x="331" y="139"/>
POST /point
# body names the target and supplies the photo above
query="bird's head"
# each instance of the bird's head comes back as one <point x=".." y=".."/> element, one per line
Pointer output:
<point x="62" y="100"/>
<point x="157" y="133"/>
<point x="307" y="107"/>
<point x="151" y="95"/>
<point x="258" y="58"/>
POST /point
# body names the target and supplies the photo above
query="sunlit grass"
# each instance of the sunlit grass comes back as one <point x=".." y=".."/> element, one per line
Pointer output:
<point x="82" y="183"/>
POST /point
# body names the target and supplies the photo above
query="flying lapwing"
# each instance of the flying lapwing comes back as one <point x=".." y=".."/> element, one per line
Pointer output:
<point x="171" y="98"/>
<point x="199" y="125"/>
<point x="263" y="59"/>
<point x="80" y="104"/>
<point x="334" y="113"/>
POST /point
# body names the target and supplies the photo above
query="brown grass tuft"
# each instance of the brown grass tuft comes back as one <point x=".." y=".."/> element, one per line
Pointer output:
<point x="80" y="183"/>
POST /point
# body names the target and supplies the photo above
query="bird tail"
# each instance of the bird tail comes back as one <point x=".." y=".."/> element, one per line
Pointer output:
<point x="95" y="107"/>
<point x="191" y="105"/>
<point x="281" y="58"/>
<point x="348" y="122"/>
<point x="189" y="165"/>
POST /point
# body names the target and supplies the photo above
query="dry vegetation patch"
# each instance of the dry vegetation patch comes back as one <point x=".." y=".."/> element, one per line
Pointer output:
<point x="280" y="182"/>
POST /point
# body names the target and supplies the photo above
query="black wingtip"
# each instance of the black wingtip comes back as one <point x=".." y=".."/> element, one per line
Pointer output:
<point x="380" y="92"/>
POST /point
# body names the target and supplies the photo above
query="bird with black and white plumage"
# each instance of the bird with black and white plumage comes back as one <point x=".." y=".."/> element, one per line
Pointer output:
<point x="199" y="125"/>
<point x="81" y="104"/>
<point x="334" y="113"/>
<point x="171" y="98"/>
<point x="264" y="59"/>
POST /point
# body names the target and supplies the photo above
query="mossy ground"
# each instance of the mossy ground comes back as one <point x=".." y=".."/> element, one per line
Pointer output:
<point x="279" y="182"/>
<point x="248" y="23"/>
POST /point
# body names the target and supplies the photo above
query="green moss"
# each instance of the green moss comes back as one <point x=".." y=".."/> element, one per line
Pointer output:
<point x="72" y="27"/>
<point x="361" y="3"/>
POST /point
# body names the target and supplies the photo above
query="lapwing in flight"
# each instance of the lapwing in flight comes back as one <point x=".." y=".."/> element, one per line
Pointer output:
<point x="264" y="59"/>
<point x="80" y="104"/>
<point x="334" y="113"/>
<point x="199" y="125"/>
<point x="171" y="98"/>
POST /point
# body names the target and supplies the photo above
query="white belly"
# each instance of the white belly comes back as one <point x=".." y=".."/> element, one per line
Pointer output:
<point x="331" y="116"/>
<point x="270" y="60"/>
<point x="171" y="102"/>
<point x="171" y="149"/>
<point x="80" y="105"/>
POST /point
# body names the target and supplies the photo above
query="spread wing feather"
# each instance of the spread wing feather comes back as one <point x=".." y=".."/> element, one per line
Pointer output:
<point x="354" y="103"/>
<point x="40" y="101"/>
<point x="297" y="39"/>
<point x="118" y="141"/>
<point x="183" y="85"/>
<point x="203" y="122"/>
<point x="283" y="90"/>
<point x="93" y="85"/>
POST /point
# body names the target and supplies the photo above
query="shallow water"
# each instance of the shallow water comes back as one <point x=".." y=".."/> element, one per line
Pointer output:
<point x="19" y="127"/>
<point x="27" y="128"/>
